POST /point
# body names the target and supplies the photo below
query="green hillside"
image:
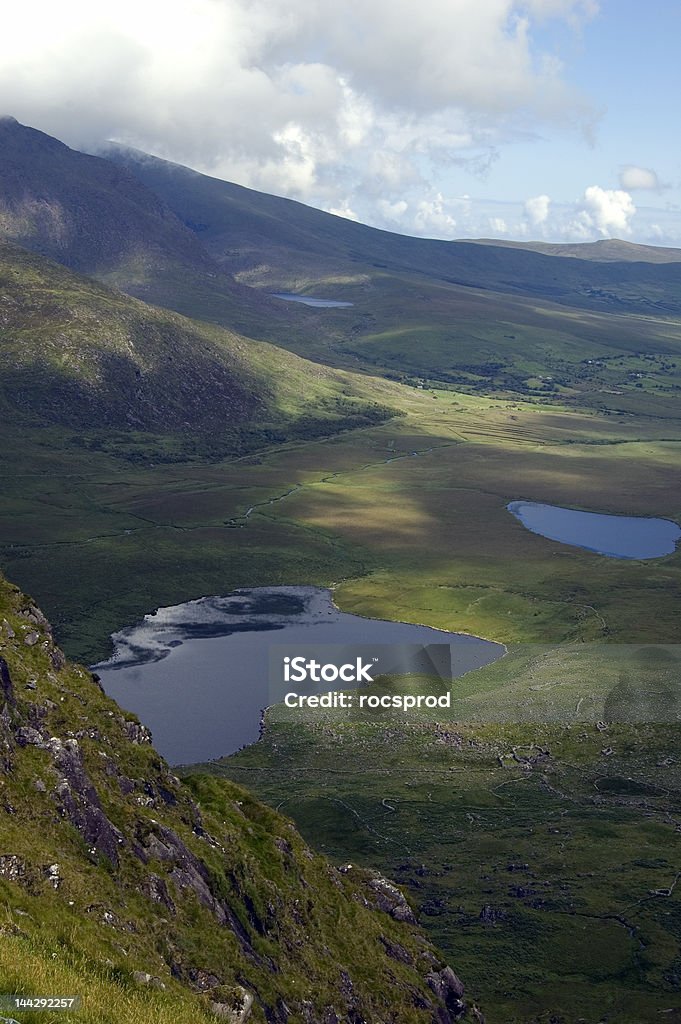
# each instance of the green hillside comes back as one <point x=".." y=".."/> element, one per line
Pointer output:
<point x="600" y="326"/>
<point x="157" y="900"/>
<point x="488" y="318"/>
<point x="76" y="354"/>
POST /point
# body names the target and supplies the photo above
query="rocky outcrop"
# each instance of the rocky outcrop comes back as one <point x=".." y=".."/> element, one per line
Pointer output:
<point x="78" y="801"/>
<point x="190" y="874"/>
<point x="391" y="900"/>
<point x="6" y="688"/>
<point x="449" y="988"/>
<point x="74" y="793"/>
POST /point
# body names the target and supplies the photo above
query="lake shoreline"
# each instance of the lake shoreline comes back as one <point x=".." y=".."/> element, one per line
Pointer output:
<point x="195" y="694"/>
<point x="610" y="535"/>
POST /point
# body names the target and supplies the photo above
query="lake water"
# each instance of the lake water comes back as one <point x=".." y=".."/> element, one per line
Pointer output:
<point x="199" y="674"/>
<point x="309" y="300"/>
<point x="612" y="536"/>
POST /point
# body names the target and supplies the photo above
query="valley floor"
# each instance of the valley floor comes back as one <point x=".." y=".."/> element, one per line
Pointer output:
<point x="546" y="885"/>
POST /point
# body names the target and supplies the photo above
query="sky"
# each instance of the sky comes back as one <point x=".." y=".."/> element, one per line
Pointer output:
<point x="529" y="119"/>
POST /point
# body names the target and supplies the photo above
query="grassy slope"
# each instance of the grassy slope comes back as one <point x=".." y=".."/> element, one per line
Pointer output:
<point x="474" y="340"/>
<point x="198" y="885"/>
<point x="564" y="845"/>
<point x="78" y="354"/>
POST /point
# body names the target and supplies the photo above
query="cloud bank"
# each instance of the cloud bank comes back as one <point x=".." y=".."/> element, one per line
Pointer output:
<point x="302" y="97"/>
<point x="365" y="108"/>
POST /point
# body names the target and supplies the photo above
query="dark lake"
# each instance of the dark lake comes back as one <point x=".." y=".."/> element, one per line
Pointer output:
<point x="612" y="536"/>
<point x="199" y="674"/>
<point x="309" y="300"/>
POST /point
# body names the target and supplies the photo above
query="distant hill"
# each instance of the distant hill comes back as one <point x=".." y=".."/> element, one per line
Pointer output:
<point x="605" y="250"/>
<point x="269" y="239"/>
<point x="488" y="317"/>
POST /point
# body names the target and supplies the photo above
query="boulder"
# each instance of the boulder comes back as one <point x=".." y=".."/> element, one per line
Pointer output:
<point x="236" y="1012"/>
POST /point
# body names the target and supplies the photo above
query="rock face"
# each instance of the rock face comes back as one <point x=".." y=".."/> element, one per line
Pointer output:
<point x="193" y="886"/>
<point x="449" y="989"/>
<point x="391" y="900"/>
<point x="6" y="688"/>
<point x="235" y="1014"/>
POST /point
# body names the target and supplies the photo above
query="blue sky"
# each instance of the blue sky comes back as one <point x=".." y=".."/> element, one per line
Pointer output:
<point x="626" y="63"/>
<point x="549" y="119"/>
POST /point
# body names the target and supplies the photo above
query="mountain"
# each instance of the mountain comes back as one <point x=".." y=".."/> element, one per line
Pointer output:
<point x="159" y="900"/>
<point x="485" y="318"/>
<point x="97" y="218"/>
<point x="83" y="211"/>
<point x="275" y="240"/>
<point x="76" y="353"/>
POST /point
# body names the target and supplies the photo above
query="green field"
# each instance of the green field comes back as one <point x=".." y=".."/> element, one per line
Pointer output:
<point x="407" y="520"/>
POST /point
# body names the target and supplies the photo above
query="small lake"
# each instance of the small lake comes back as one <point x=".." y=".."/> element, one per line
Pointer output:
<point x="309" y="300"/>
<point x="612" y="536"/>
<point x="199" y="674"/>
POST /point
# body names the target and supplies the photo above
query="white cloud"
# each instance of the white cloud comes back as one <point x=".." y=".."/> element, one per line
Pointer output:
<point x="392" y="213"/>
<point x="596" y="214"/>
<point x="633" y="177"/>
<point x="364" y="108"/>
<point x="498" y="225"/>
<point x="432" y="218"/>
<point x="319" y="101"/>
<point x="343" y="210"/>
<point x="608" y="211"/>
<point x="536" y="209"/>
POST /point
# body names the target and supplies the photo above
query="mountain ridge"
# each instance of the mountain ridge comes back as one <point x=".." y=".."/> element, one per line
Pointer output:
<point x="95" y="217"/>
<point x="607" y="250"/>
<point x="226" y="216"/>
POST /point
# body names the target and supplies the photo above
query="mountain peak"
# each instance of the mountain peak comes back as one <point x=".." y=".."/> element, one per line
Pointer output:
<point x="82" y="210"/>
